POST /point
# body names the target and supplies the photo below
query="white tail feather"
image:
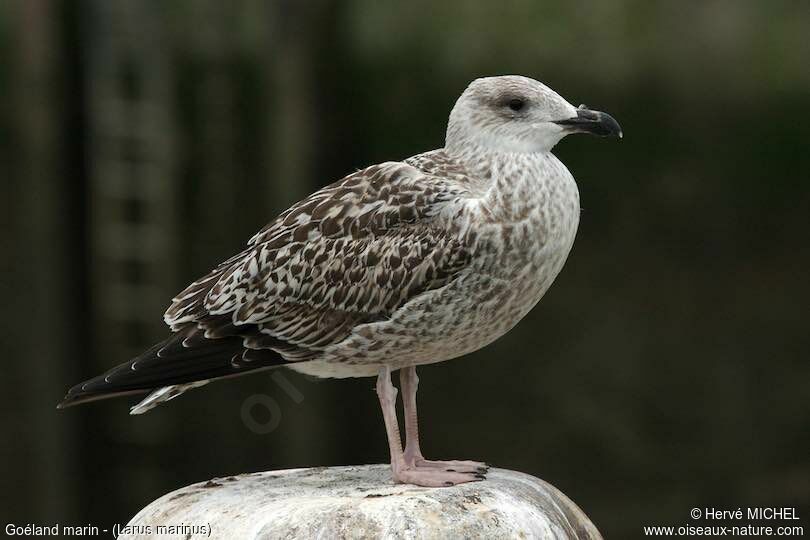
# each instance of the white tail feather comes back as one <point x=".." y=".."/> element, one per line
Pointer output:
<point x="161" y="395"/>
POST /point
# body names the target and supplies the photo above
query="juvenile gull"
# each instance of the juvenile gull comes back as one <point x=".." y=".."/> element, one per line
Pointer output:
<point x="397" y="265"/>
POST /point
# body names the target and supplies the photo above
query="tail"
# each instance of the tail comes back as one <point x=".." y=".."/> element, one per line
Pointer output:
<point x="186" y="360"/>
<point x="162" y="395"/>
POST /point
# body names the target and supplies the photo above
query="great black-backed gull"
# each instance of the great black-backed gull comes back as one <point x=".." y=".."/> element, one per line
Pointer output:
<point x="397" y="265"/>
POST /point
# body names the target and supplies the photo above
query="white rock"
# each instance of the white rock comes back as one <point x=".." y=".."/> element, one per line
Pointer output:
<point x="362" y="502"/>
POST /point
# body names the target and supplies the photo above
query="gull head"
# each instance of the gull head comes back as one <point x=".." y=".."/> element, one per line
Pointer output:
<point x="518" y="114"/>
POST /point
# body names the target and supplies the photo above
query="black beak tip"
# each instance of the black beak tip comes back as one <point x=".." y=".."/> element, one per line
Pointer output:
<point x="610" y="126"/>
<point x="593" y="122"/>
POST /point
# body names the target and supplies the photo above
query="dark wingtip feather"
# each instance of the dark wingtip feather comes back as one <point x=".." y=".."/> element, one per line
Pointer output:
<point x="173" y="361"/>
<point x="72" y="399"/>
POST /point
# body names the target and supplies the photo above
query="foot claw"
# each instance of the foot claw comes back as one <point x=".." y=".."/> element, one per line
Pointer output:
<point x="434" y="477"/>
<point x="462" y="466"/>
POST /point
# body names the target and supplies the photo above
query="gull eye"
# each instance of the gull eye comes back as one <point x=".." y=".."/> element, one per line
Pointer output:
<point x="516" y="104"/>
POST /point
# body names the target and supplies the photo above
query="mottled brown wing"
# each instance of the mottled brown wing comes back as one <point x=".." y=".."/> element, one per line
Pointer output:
<point x="350" y="253"/>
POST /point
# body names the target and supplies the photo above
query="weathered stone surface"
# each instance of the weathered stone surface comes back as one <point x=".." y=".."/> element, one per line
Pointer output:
<point x="362" y="502"/>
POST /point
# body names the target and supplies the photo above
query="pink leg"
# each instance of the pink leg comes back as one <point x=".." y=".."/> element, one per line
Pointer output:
<point x="403" y="471"/>
<point x="413" y="454"/>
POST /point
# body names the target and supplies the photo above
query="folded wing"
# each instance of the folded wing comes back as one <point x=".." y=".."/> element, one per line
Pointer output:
<point x="349" y="254"/>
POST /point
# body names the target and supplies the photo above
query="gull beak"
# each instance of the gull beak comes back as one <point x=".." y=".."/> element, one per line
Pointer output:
<point x="593" y="122"/>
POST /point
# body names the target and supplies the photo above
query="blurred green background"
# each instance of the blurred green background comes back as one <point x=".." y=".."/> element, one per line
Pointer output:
<point x="142" y="142"/>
